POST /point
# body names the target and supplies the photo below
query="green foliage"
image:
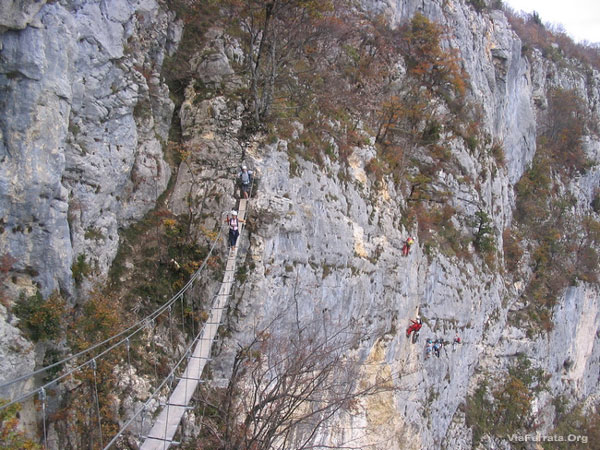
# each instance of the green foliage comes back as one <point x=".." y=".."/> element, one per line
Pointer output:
<point x="10" y="437"/>
<point x="563" y="245"/>
<point x="431" y="133"/>
<point x="435" y="228"/>
<point x="575" y="422"/>
<point x="595" y="204"/>
<point x="164" y="254"/>
<point x="484" y="241"/>
<point x="93" y="234"/>
<point x="505" y="409"/>
<point x="497" y="153"/>
<point x="428" y="61"/>
<point x="241" y="274"/>
<point x="41" y="319"/>
<point x="102" y="316"/>
<point x="512" y="404"/>
<point x="479" y="5"/>
<point x="534" y="378"/>
<point x="80" y="269"/>
<point x="478" y="413"/>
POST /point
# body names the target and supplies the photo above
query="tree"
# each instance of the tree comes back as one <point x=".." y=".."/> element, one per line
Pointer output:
<point x="409" y="112"/>
<point x="10" y="436"/>
<point x="274" y="33"/>
<point x="283" y="390"/>
<point x="563" y="129"/>
<point x="484" y="235"/>
<point x="426" y="59"/>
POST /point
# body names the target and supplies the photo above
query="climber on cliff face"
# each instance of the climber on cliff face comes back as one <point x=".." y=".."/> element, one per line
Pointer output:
<point x="416" y="326"/>
<point x="437" y="346"/>
<point x="407" y="245"/>
<point x="455" y="342"/>
<point x="428" y="348"/>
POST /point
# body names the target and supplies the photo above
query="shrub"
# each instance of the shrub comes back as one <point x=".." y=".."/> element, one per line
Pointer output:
<point x="576" y="422"/>
<point x="484" y="241"/>
<point x="101" y="317"/>
<point x="41" y="319"/>
<point x="512" y="401"/>
<point x="506" y="408"/>
<point x="512" y="250"/>
<point x="80" y="269"/>
<point x="479" y="416"/>
<point x="10" y="437"/>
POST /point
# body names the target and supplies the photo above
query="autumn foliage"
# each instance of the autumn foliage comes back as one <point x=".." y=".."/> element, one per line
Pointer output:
<point x="563" y="245"/>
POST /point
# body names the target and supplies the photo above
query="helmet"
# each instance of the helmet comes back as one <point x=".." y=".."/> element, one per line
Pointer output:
<point x="418" y="317"/>
<point x="234" y="213"/>
<point x="244" y="167"/>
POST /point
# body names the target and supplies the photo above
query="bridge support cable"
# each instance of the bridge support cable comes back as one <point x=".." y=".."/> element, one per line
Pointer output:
<point x="167" y="423"/>
<point x="50" y="396"/>
<point x="121" y="338"/>
<point x="140" y="414"/>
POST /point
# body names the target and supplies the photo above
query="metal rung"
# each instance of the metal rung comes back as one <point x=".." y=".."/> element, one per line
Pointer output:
<point x="200" y="357"/>
<point x="199" y="380"/>
<point x="177" y="405"/>
<point x="161" y="439"/>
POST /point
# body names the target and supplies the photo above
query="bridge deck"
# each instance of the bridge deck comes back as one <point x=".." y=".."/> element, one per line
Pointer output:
<point x="162" y="432"/>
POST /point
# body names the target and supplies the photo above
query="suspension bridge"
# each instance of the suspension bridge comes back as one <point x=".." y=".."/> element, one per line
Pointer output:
<point x="155" y="422"/>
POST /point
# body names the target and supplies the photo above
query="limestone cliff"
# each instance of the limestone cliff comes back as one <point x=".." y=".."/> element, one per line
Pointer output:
<point x="325" y="248"/>
<point x="84" y="115"/>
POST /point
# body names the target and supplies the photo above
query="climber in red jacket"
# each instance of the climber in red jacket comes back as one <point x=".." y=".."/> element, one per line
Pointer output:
<point x="416" y="326"/>
<point x="407" y="245"/>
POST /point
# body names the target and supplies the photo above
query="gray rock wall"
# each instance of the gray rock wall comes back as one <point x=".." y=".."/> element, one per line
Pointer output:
<point x="83" y="118"/>
<point x="326" y="242"/>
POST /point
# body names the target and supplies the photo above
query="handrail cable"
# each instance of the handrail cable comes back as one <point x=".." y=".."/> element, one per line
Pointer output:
<point x="140" y="324"/>
<point x="165" y="380"/>
<point x="169" y="431"/>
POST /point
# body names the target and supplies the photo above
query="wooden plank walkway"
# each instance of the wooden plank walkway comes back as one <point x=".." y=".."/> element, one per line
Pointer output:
<point x="162" y="432"/>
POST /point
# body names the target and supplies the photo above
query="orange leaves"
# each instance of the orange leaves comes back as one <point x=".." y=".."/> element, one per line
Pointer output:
<point x="427" y="61"/>
<point x="11" y="438"/>
<point x="42" y="319"/>
<point x="565" y="124"/>
<point x="102" y="317"/>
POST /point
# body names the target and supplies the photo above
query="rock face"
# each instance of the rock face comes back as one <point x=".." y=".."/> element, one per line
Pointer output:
<point x="17" y="14"/>
<point x="325" y="248"/>
<point x="84" y="115"/>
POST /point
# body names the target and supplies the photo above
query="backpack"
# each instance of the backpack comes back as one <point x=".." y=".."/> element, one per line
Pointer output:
<point x="246" y="177"/>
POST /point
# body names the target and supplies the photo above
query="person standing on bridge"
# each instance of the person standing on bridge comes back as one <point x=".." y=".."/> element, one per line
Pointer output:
<point x="234" y="223"/>
<point x="245" y="177"/>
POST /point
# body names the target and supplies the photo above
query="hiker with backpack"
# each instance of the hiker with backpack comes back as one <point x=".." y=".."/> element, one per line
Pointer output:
<point x="234" y="223"/>
<point x="245" y="177"/>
